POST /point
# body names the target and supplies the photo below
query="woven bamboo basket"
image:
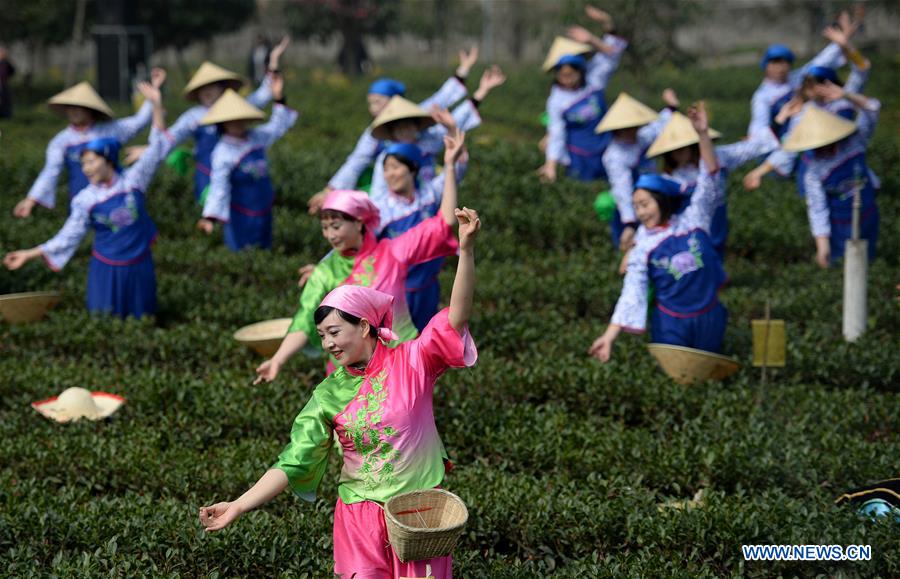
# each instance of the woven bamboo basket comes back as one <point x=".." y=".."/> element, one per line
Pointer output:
<point x="688" y="365"/>
<point x="264" y="337"/>
<point x="424" y="524"/>
<point x="27" y="307"/>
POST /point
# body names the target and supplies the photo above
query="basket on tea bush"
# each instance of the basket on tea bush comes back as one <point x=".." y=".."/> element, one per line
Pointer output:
<point x="424" y="524"/>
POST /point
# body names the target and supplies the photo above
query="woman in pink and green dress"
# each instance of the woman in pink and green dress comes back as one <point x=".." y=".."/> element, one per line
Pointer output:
<point x="349" y="221"/>
<point x="379" y="404"/>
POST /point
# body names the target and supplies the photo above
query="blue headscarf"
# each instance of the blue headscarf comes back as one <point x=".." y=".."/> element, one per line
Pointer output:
<point x="822" y="73"/>
<point x="405" y="151"/>
<point x="776" y="51"/>
<point x="387" y="87"/>
<point x="106" y="147"/>
<point x="659" y="184"/>
<point x="574" y="60"/>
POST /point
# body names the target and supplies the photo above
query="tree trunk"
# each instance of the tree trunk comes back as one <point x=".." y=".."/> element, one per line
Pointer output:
<point x="353" y="51"/>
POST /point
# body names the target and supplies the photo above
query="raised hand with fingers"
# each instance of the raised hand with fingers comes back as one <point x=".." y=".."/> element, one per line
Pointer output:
<point x="277" y="51"/>
<point x="670" y="98"/>
<point x="491" y="78"/>
<point x="598" y="15"/>
<point x="158" y="76"/>
<point x="580" y="34"/>
<point x="469" y="226"/>
<point x="443" y="117"/>
<point x="467" y="60"/>
<point x="454" y="145"/>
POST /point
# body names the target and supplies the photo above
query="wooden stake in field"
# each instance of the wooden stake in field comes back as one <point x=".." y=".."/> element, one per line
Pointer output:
<point x="856" y="266"/>
<point x="768" y="342"/>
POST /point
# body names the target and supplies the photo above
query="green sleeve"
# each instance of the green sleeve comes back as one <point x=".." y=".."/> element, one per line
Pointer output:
<point x="315" y="290"/>
<point x="305" y="458"/>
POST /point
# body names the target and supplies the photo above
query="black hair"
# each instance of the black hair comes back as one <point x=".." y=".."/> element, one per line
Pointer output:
<point x="406" y="161"/>
<point x="581" y="83"/>
<point x="322" y="312"/>
<point x="669" y="205"/>
<point x="335" y="214"/>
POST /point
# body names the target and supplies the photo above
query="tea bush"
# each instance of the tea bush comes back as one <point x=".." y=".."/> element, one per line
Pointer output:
<point x="562" y="461"/>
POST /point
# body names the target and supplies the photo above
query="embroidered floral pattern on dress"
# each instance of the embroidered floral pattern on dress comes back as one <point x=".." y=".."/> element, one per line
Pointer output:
<point x="369" y="437"/>
<point x="120" y="217"/>
<point x="366" y="277"/>
<point x="257" y="168"/>
<point x="684" y="262"/>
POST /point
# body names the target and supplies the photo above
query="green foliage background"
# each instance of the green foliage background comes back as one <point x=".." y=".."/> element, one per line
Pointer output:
<point x="561" y="460"/>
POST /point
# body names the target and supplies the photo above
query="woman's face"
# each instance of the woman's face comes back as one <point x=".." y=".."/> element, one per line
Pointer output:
<point x="343" y="235"/>
<point x="96" y="168"/>
<point x="403" y="131"/>
<point x="646" y="208"/>
<point x="398" y="176"/>
<point x="348" y="343"/>
<point x="236" y="129"/>
<point x="628" y="135"/>
<point x="682" y="156"/>
<point x="79" y="116"/>
<point x="568" y="76"/>
<point x="778" y="69"/>
<point x="209" y="93"/>
<point x="376" y="103"/>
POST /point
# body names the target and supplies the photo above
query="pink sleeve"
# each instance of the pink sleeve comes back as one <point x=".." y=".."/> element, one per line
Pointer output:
<point x="440" y="346"/>
<point x="428" y="240"/>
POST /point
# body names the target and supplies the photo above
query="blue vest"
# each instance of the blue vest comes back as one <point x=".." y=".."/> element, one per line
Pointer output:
<point x="840" y="185"/>
<point x="581" y="119"/>
<point x="423" y="274"/>
<point x="77" y="180"/>
<point x="124" y="230"/>
<point x="686" y="273"/>
<point x="251" y="189"/>
<point x="206" y="137"/>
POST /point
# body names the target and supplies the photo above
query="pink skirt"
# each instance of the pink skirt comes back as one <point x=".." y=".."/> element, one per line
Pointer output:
<point x="362" y="550"/>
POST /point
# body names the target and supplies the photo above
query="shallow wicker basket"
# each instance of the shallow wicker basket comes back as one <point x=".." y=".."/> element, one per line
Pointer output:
<point x="264" y="337"/>
<point x="27" y="307"/>
<point x="688" y="365"/>
<point x="424" y="524"/>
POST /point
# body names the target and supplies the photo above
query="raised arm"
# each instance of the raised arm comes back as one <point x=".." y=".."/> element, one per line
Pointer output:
<point x="138" y="176"/>
<point x="123" y="130"/>
<point x="362" y="156"/>
<point x="454" y="148"/>
<point x="282" y="118"/>
<point x="464" y="284"/>
<point x="454" y="88"/>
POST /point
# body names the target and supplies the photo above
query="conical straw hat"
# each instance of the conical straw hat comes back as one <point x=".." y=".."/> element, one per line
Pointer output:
<point x="80" y="95"/>
<point x="27" y="307"/>
<point x="399" y="108"/>
<point x="687" y="365"/>
<point x="817" y="128"/>
<point x="625" y="113"/>
<point x="76" y="403"/>
<point x="678" y="133"/>
<point x="231" y="107"/>
<point x="561" y="47"/>
<point x="264" y="337"/>
<point x="209" y="73"/>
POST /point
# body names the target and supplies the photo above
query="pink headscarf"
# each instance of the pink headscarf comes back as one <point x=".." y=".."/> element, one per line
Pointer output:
<point x="354" y="203"/>
<point x="375" y="306"/>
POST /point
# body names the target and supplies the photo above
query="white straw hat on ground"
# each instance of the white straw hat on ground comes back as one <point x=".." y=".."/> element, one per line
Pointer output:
<point x="678" y="133"/>
<point x="80" y="95"/>
<point x="231" y="107"/>
<point x="817" y="128"/>
<point x="625" y="113"/>
<point x="208" y="73"/>
<point x="397" y="109"/>
<point x="561" y="47"/>
<point x="76" y="403"/>
<point x="688" y="365"/>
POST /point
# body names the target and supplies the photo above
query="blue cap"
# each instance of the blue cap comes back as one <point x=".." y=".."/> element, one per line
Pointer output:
<point x="574" y="60"/>
<point x="387" y="87"/>
<point x="659" y="184"/>
<point x="776" y="51"/>
<point x="405" y="151"/>
<point x="822" y="73"/>
<point x="106" y="147"/>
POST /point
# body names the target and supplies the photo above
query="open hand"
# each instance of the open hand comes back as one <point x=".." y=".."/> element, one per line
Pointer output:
<point x="491" y="78"/>
<point x="670" y="98"/>
<point x="267" y="371"/>
<point x="277" y="51"/>
<point x="150" y="92"/>
<point x="579" y="34"/>
<point x="443" y="117"/>
<point x="697" y="115"/>
<point x="157" y="76"/>
<point x="454" y="145"/>
<point x="219" y="516"/>
<point x="601" y="348"/>
<point x="467" y="60"/>
<point x="469" y="226"/>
